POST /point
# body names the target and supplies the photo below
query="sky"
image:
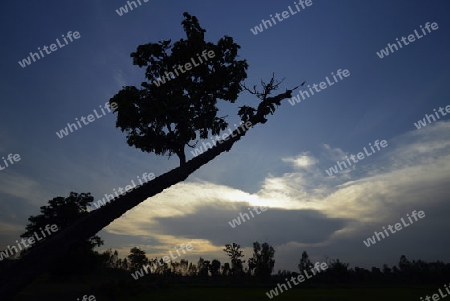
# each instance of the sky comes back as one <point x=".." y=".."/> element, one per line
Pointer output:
<point x="283" y="164"/>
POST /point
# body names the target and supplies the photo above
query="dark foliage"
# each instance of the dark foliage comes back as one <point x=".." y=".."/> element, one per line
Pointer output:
<point x="165" y="117"/>
<point x="64" y="211"/>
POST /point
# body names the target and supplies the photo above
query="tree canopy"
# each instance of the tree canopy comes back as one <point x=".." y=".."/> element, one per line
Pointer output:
<point x="235" y="253"/>
<point x="64" y="211"/>
<point x="165" y="116"/>
<point x="263" y="261"/>
<point x="137" y="259"/>
<point x="304" y="264"/>
<point x="30" y="266"/>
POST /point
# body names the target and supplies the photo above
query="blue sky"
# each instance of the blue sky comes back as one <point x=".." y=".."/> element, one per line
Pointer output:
<point x="280" y="164"/>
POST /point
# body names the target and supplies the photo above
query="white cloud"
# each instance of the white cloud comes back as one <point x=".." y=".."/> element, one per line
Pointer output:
<point x="303" y="160"/>
<point x="413" y="168"/>
<point x="9" y="228"/>
<point x="333" y="154"/>
<point x="22" y="187"/>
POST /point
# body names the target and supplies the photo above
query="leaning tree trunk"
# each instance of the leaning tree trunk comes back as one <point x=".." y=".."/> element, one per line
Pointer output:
<point x="16" y="276"/>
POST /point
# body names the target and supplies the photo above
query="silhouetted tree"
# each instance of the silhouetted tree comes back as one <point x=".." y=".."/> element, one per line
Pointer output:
<point x="304" y="264"/>
<point x="161" y="267"/>
<point x="165" y="268"/>
<point x="262" y="262"/>
<point x="233" y="251"/>
<point x="386" y="269"/>
<point x="164" y="118"/>
<point x="283" y="274"/>
<point x="33" y="264"/>
<point x="203" y="267"/>
<point x="404" y="265"/>
<point x="395" y="270"/>
<point x="192" y="270"/>
<point x="184" y="264"/>
<point x="361" y="275"/>
<point x="376" y="275"/>
<point x="179" y="268"/>
<point x="137" y="259"/>
<point x="338" y="270"/>
<point x="214" y="268"/>
<point x="111" y="259"/>
<point x="226" y="270"/>
<point x="64" y="211"/>
<point x="123" y="263"/>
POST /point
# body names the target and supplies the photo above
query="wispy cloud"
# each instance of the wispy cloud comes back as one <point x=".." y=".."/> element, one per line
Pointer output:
<point x="303" y="160"/>
<point x="10" y="228"/>
<point x="16" y="185"/>
<point x="306" y="208"/>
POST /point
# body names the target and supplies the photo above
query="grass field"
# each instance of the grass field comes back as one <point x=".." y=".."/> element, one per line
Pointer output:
<point x="335" y="294"/>
<point x="42" y="290"/>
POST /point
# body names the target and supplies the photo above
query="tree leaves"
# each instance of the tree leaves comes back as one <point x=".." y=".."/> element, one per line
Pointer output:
<point x="163" y="118"/>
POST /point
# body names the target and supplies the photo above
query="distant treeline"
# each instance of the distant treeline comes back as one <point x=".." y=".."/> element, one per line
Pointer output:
<point x="111" y="277"/>
<point x="259" y="269"/>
